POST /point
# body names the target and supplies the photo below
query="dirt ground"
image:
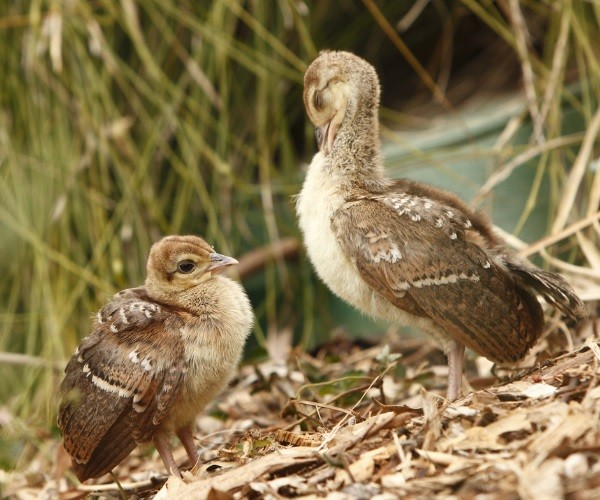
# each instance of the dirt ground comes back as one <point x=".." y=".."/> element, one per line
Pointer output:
<point x="361" y="420"/>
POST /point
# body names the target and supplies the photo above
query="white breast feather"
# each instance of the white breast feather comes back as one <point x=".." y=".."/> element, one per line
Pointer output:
<point x="317" y="201"/>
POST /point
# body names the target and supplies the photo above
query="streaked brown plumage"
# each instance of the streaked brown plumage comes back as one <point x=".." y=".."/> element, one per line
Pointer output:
<point x="157" y="355"/>
<point x="405" y="251"/>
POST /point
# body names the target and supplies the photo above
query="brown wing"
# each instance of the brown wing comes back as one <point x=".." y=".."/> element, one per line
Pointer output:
<point x="120" y="382"/>
<point x="425" y="258"/>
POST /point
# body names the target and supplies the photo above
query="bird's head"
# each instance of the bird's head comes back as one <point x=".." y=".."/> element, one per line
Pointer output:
<point x="177" y="263"/>
<point x="340" y="89"/>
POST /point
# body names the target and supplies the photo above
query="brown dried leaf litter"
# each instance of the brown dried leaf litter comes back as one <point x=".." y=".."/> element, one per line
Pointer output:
<point x="356" y="421"/>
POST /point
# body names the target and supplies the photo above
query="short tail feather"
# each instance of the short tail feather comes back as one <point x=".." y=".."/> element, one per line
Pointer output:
<point x="554" y="289"/>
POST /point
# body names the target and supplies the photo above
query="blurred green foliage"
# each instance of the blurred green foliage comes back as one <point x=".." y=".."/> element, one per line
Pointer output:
<point x="124" y="120"/>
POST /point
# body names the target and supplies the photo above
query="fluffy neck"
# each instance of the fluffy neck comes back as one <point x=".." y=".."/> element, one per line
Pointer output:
<point x="356" y="153"/>
<point x="197" y="299"/>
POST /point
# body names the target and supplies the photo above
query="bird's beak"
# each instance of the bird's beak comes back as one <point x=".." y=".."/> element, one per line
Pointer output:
<point x="321" y="136"/>
<point x="218" y="262"/>
<point x="326" y="136"/>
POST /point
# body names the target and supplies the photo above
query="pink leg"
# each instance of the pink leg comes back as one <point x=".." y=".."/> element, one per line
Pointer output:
<point x="161" y="441"/>
<point x="186" y="437"/>
<point x="455" y="366"/>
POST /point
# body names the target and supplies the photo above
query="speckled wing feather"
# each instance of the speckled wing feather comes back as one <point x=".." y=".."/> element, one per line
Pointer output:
<point x="119" y="383"/>
<point x="423" y="257"/>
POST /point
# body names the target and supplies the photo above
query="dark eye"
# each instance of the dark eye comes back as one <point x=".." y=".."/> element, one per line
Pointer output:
<point x="318" y="101"/>
<point x="186" y="266"/>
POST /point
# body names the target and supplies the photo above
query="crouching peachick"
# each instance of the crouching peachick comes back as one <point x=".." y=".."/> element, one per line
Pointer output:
<point x="156" y="356"/>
